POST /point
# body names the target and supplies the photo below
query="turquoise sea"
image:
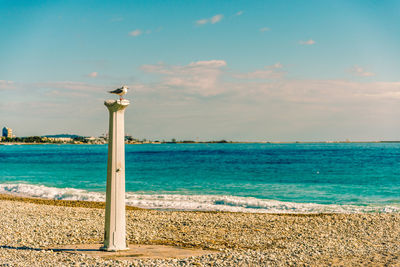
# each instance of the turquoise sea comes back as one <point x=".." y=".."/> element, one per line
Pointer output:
<point x="347" y="177"/>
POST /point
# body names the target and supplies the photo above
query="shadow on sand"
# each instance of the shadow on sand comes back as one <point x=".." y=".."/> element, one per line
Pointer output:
<point x="52" y="249"/>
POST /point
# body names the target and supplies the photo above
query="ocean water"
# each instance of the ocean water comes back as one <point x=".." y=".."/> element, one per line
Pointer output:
<point x="305" y="178"/>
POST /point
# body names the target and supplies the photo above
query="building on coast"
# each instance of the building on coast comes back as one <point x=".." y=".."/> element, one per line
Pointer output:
<point x="7" y="132"/>
<point x="58" y="139"/>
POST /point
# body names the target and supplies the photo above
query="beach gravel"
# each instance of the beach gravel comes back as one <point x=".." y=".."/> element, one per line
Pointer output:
<point x="240" y="239"/>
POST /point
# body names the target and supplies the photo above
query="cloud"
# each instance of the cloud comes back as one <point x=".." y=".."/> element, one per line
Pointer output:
<point x="93" y="74"/>
<point x="209" y="63"/>
<point x="338" y="92"/>
<point x="215" y="19"/>
<point x="206" y="78"/>
<point x="212" y="77"/>
<point x="208" y="94"/>
<point x="309" y="42"/>
<point x="266" y="104"/>
<point x="202" y="21"/>
<point x="265" y="29"/>
<point x="269" y="72"/>
<point x="361" y="72"/>
<point x="199" y="78"/>
<point x="135" y="33"/>
<point x="138" y="32"/>
<point x="239" y="13"/>
<point x="277" y="65"/>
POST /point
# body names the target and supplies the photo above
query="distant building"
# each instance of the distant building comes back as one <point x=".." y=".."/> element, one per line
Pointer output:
<point x="7" y="132"/>
<point x="95" y="140"/>
<point x="91" y="138"/>
<point x="60" y="139"/>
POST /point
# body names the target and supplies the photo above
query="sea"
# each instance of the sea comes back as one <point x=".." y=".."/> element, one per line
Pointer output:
<point x="266" y="178"/>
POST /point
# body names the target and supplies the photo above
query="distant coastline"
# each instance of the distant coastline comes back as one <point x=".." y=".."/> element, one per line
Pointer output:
<point x="103" y="139"/>
<point x="5" y="143"/>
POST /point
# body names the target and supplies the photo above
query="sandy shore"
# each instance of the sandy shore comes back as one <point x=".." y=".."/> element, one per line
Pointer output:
<point x="242" y="239"/>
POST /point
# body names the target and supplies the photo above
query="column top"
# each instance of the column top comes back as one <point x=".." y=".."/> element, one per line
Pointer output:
<point x="115" y="105"/>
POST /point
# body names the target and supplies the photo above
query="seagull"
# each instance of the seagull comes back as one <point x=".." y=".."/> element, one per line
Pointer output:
<point x="120" y="91"/>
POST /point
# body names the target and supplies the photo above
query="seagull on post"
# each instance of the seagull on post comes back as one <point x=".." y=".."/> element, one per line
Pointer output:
<point x="120" y="91"/>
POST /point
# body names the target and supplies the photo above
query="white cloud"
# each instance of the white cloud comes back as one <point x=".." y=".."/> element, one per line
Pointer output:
<point x="265" y="29"/>
<point x="200" y="77"/>
<point x="308" y="42"/>
<point x="338" y="91"/>
<point x="205" y="78"/>
<point x="277" y="65"/>
<point x="239" y="13"/>
<point x="210" y="78"/>
<point x="93" y="74"/>
<point x="212" y="20"/>
<point x="263" y="106"/>
<point x="209" y="63"/>
<point x="359" y="71"/>
<point x="261" y="74"/>
<point x="135" y="33"/>
<point x="269" y="72"/>
<point x="216" y="18"/>
<point x="138" y="32"/>
<point x="202" y="21"/>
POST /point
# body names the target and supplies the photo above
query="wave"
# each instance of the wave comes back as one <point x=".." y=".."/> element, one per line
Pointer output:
<point x="193" y="202"/>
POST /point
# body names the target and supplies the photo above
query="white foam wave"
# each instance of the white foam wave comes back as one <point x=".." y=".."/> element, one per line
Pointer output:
<point x="193" y="202"/>
<point x="42" y="191"/>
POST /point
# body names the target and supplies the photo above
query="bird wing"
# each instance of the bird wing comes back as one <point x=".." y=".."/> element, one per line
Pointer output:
<point x="116" y="91"/>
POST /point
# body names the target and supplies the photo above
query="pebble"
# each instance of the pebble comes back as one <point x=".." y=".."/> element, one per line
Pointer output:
<point x="242" y="239"/>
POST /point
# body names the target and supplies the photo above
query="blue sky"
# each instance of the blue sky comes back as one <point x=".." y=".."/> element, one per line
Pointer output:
<point x="239" y="70"/>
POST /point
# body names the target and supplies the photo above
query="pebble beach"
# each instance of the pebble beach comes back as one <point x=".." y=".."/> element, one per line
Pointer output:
<point x="29" y="227"/>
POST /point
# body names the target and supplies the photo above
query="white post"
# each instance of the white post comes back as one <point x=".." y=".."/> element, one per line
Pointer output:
<point x="114" y="230"/>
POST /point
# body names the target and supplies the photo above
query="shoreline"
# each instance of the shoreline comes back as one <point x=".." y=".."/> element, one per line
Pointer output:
<point x="72" y="197"/>
<point x="101" y="205"/>
<point x="214" y="142"/>
<point x="31" y="225"/>
<point x="59" y="202"/>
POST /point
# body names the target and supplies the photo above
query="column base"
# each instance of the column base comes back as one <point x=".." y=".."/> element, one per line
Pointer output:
<point x="111" y="249"/>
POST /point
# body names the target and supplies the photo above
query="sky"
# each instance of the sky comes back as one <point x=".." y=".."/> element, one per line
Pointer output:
<point x="203" y="70"/>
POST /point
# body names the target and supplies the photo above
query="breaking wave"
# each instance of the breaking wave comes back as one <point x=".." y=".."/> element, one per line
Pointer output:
<point x="193" y="202"/>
